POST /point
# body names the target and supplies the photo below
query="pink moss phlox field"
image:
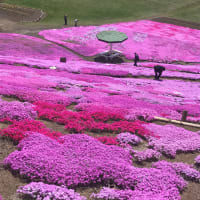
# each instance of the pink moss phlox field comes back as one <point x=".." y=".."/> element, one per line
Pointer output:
<point x="77" y="122"/>
<point x="126" y="95"/>
<point x="20" y="129"/>
<point x="109" y="140"/>
<point x="151" y="40"/>
<point x="128" y="138"/>
<point x="173" y="139"/>
<point x="118" y="70"/>
<point x="81" y="160"/>
<point x="146" y="155"/>
<point x="25" y="76"/>
<point x="34" y="62"/>
<point x="143" y="69"/>
<point x="39" y="190"/>
<point x="17" y="110"/>
<point x="23" y="94"/>
<point x="1" y="198"/>
<point x="113" y="194"/>
<point x="189" y="68"/>
<point x="29" y="47"/>
<point x="142" y="90"/>
<point x="185" y="170"/>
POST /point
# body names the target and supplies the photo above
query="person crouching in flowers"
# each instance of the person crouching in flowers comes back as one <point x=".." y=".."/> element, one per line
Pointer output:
<point x="158" y="69"/>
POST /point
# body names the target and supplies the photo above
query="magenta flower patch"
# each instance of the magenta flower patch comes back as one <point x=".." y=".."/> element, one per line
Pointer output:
<point x="113" y="194"/>
<point x="185" y="170"/>
<point x="128" y="138"/>
<point x="44" y="191"/>
<point x="146" y="155"/>
<point x="153" y="40"/>
<point x="17" y="110"/>
<point x="28" y="47"/>
<point x="173" y="139"/>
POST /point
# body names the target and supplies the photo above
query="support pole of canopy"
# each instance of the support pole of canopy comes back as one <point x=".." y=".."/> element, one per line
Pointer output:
<point x="110" y="47"/>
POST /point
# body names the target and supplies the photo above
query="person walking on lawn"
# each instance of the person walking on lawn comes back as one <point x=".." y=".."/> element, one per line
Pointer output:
<point x="65" y="19"/>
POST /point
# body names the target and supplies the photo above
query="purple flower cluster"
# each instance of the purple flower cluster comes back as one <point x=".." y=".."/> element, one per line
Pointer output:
<point x="1" y="198"/>
<point x="173" y="139"/>
<point x="146" y="155"/>
<point x="115" y="194"/>
<point x="80" y="160"/>
<point x="185" y="170"/>
<point x="39" y="191"/>
<point x="17" y="110"/>
<point x="128" y="138"/>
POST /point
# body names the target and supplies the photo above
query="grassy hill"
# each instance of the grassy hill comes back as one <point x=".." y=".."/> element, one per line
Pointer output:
<point x="107" y="11"/>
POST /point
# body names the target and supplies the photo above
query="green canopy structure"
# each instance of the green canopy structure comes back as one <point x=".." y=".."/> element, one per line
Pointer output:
<point x="111" y="37"/>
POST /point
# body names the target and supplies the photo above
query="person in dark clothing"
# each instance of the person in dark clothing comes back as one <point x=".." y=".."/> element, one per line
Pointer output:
<point x="136" y="59"/>
<point x="76" y="22"/>
<point x="158" y="69"/>
<point x="65" y="19"/>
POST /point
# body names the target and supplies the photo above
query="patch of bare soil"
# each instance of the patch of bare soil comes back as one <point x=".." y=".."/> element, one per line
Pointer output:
<point x="8" y="182"/>
<point x="192" y="192"/>
<point x="54" y="126"/>
<point x="6" y="147"/>
<point x="100" y="134"/>
<point x="9" y="98"/>
<point x="183" y="157"/>
<point x="3" y="125"/>
<point x="71" y="106"/>
<point x="87" y="191"/>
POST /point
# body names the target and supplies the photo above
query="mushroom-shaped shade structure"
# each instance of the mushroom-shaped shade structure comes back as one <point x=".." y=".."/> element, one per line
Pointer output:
<point x="111" y="37"/>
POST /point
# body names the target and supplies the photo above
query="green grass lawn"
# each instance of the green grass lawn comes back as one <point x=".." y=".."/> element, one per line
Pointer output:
<point x="94" y="12"/>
